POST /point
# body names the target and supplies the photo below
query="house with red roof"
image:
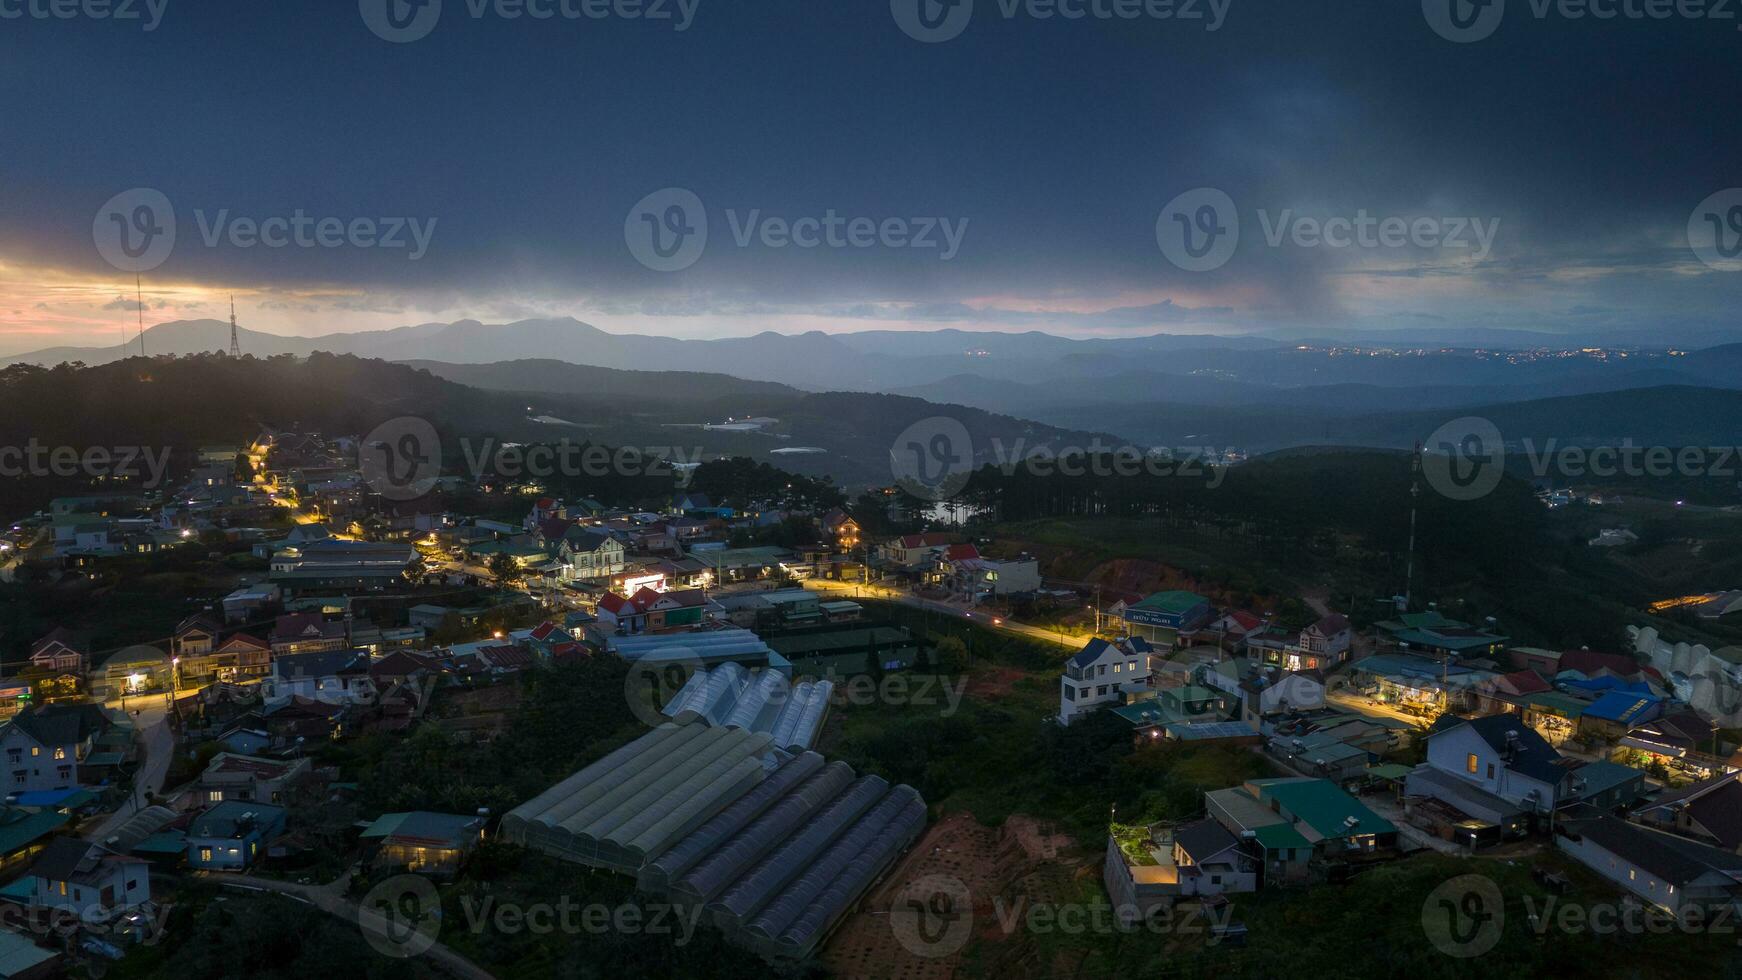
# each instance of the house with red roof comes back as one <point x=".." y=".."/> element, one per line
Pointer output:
<point x="1326" y="642"/>
<point x="912" y="550"/>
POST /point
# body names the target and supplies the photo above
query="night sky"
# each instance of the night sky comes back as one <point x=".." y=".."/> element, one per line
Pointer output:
<point x="1051" y="145"/>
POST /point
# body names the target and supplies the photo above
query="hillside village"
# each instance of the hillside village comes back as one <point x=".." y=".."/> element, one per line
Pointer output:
<point x="750" y="630"/>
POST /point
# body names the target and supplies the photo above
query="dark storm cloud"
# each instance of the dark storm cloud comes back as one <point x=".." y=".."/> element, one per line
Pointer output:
<point x="1056" y="142"/>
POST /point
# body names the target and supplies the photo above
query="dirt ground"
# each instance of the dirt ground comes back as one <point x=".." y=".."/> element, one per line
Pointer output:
<point x="987" y="864"/>
<point x="993" y="683"/>
<point x="478" y="713"/>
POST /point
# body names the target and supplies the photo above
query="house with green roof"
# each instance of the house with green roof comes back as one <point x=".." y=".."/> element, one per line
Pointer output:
<point x="1315" y="812"/>
<point x="1437" y="635"/>
<point x="23" y="834"/>
<point x="423" y="842"/>
<point x="1161" y="617"/>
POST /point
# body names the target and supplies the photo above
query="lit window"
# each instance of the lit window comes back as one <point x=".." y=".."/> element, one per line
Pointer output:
<point x="60" y="753"/>
<point x="1632" y="874"/>
<point x="35" y="750"/>
<point x="1470" y="763"/>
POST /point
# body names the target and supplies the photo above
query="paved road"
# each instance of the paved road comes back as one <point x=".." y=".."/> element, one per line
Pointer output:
<point x="1364" y="706"/>
<point x="158" y="743"/>
<point x="982" y="617"/>
<point x="330" y="898"/>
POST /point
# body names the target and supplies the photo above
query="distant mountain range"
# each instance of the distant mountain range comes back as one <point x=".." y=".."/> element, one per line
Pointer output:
<point x="1250" y="392"/>
<point x="1194" y="369"/>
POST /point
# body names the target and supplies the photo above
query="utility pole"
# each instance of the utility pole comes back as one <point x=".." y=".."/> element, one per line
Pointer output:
<point x="235" y="347"/>
<point x="1414" y="492"/>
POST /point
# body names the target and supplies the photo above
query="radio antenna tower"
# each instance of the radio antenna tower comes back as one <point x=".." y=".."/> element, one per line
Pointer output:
<point x="235" y="345"/>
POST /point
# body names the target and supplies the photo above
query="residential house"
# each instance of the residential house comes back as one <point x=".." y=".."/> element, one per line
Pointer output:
<point x="308" y="632"/>
<point x="1501" y="757"/>
<point x="841" y="528"/>
<point x="1266" y="693"/>
<point x="230" y="836"/>
<point x="334" y="676"/>
<point x="1103" y="673"/>
<point x="1163" y="616"/>
<point x="88" y="880"/>
<point x="246" y="778"/>
<point x="648" y="610"/>
<point x="978" y="578"/>
<point x="240" y="658"/>
<point x="23" y="835"/>
<point x="1205" y="851"/>
<point x="422" y="842"/>
<point x="251" y="601"/>
<point x="1709" y="811"/>
<point x="1667" y="871"/>
<point x="1619" y="711"/>
<point x="339" y="564"/>
<point x="1434" y="635"/>
<point x="584" y="553"/>
<point x="61" y="652"/>
<point x="692" y="503"/>
<point x="1503" y="693"/>
<point x="914" y="550"/>
<point x="1227" y="631"/>
<point x="1324" y="644"/>
<point x="42" y="747"/>
<point x="1292" y="819"/>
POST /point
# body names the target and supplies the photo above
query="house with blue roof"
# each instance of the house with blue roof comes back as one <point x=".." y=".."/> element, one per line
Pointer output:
<point x="231" y="835"/>
<point x="1619" y="712"/>
<point x="1104" y="672"/>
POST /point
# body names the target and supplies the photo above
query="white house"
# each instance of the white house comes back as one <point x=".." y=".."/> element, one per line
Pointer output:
<point x="1323" y="644"/>
<point x="1211" y="861"/>
<point x="590" y="555"/>
<point x="1101" y="673"/>
<point x="332" y="676"/>
<point x="88" y="879"/>
<point x="1499" y="755"/>
<point x="1671" y="872"/>
<point x="42" y="747"/>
